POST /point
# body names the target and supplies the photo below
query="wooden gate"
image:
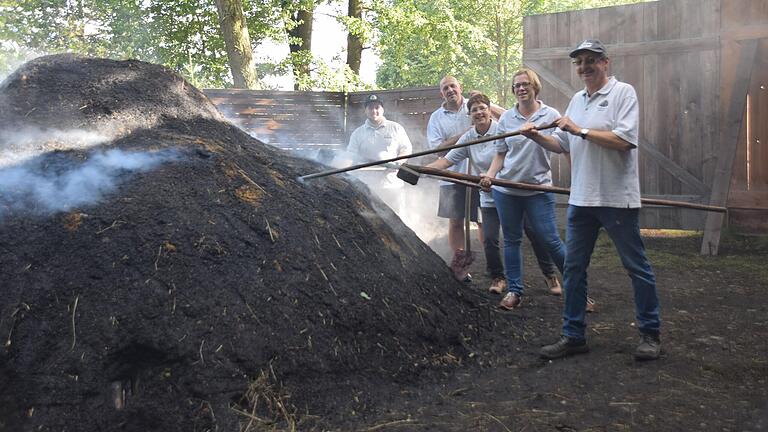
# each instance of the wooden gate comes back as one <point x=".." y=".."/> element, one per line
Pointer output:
<point x="692" y="63"/>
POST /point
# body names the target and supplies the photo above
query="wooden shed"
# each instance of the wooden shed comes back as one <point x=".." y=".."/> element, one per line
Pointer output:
<point x="700" y="68"/>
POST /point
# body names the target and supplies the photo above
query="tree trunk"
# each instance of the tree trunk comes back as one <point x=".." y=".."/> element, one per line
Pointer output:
<point x="238" y="42"/>
<point x="354" y="44"/>
<point x="301" y="43"/>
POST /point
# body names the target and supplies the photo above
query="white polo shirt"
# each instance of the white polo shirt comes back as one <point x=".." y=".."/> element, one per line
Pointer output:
<point x="444" y="124"/>
<point x="525" y="161"/>
<point x="602" y="177"/>
<point x="482" y="155"/>
<point x="376" y="142"/>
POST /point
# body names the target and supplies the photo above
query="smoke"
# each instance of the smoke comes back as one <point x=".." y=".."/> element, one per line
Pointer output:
<point x="12" y="55"/>
<point x="45" y="185"/>
<point x="21" y="145"/>
<point x="416" y="206"/>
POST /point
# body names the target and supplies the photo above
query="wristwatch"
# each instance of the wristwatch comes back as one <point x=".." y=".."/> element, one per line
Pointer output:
<point x="583" y="133"/>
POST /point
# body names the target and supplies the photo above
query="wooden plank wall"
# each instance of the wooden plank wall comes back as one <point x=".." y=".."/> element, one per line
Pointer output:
<point x="287" y="119"/>
<point x="677" y="86"/>
<point x="310" y="121"/>
<point x="748" y="197"/>
<point x="409" y="107"/>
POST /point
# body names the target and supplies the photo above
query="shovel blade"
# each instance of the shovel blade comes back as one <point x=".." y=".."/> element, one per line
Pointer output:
<point x="408" y="175"/>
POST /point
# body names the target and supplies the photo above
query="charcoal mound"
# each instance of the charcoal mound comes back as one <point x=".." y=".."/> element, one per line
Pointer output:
<point x="72" y="91"/>
<point x="213" y="292"/>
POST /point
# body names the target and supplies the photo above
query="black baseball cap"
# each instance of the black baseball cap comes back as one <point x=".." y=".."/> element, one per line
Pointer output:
<point x="373" y="99"/>
<point x="593" y="45"/>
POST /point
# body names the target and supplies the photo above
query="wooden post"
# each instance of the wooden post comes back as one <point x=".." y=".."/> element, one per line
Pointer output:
<point x="728" y="146"/>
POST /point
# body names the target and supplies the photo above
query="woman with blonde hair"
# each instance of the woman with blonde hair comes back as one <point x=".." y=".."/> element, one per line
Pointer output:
<point x="520" y="159"/>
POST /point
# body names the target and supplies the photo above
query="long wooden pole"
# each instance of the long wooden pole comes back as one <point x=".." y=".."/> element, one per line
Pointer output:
<point x="554" y="189"/>
<point x="422" y="153"/>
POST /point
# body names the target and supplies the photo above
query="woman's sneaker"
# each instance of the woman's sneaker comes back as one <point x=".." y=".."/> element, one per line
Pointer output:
<point x="554" y="286"/>
<point x="498" y="286"/>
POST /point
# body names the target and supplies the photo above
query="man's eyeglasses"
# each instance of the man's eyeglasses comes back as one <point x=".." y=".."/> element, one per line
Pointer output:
<point x="587" y="61"/>
<point x="520" y="85"/>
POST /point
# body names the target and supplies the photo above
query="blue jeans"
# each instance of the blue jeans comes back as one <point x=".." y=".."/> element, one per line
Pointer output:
<point x="491" y="242"/>
<point x="622" y="226"/>
<point x="540" y="209"/>
<point x="546" y="265"/>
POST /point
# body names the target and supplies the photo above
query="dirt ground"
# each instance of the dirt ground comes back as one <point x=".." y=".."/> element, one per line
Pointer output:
<point x="711" y="376"/>
<point x="218" y="292"/>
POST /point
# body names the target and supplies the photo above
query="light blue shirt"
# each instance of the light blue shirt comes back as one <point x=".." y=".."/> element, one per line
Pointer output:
<point x="444" y="124"/>
<point x="602" y="177"/>
<point x="482" y="155"/>
<point x="525" y="161"/>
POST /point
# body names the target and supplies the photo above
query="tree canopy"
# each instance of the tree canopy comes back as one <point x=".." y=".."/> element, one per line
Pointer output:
<point x="418" y="41"/>
<point x="478" y="41"/>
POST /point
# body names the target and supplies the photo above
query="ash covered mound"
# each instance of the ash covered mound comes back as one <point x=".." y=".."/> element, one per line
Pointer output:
<point x="201" y="287"/>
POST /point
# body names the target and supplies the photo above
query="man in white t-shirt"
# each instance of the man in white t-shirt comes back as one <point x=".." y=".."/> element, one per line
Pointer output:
<point x="377" y="139"/>
<point x="600" y="131"/>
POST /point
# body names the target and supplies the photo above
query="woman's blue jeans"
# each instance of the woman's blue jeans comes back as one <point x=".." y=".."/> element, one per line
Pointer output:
<point x="540" y="209"/>
<point x="622" y="225"/>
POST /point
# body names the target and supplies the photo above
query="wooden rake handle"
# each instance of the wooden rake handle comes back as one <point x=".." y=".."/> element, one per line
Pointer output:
<point x="422" y="153"/>
<point x="554" y="189"/>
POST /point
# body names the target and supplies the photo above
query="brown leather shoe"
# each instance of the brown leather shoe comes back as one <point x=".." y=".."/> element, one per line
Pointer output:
<point x="554" y="286"/>
<point x="510" y="301"/>
<point x="498" y="286"/>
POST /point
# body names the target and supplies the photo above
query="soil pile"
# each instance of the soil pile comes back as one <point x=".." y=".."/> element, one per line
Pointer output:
<point x="214" y="284"/>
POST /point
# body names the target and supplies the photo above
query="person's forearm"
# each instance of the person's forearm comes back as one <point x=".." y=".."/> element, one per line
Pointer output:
<point x="548" y="142"/>
<point x="441" y="163"/>
<point x="609" y="140"/>
<point x="496" y="164"/>
<point x="448" y="143"/>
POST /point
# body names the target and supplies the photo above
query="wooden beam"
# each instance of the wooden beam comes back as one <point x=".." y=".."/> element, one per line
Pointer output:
<point x="555" y="81"/>
<point x="676" y="170"/>
<point x="645" y="147"/>
<point x="753" y="31"/>
<point x="748" y="200"/>
<point x="727" y="151"/>
<point x="703" y="43"/>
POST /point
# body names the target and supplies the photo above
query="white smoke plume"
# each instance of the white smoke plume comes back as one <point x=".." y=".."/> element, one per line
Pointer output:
<point x="415" y="206"/>
<point x="418" y="209"/>
<point x="12" y="55"/>
<point x="18" y="146"/>
<point x="42" y="186"/>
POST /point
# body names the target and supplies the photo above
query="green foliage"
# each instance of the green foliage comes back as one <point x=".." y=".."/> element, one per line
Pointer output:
<point x="181" y="34"/>
<point x="419" y="41"/>
<point x="478" y="41"/>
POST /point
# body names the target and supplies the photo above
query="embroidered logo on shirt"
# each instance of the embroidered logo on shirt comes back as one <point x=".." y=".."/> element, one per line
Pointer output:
<point x="603" y="104"/>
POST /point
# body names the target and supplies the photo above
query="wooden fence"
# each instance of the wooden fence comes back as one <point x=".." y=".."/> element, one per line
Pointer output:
<point x="287" y="119"/>
<point x="692" y="62"/>
<point x="309" y="121"/>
